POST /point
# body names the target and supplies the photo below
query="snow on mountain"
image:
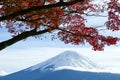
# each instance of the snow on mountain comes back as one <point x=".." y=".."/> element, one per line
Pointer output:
<point x="67" y="59"/>
<point x="48" y="70"/>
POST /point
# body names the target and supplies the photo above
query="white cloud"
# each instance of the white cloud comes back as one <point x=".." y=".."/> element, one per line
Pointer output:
<point x="2" y="73"/>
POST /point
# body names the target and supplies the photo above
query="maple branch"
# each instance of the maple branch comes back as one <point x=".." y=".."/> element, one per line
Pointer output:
<point x="24" y="20"/>
<point x="22" y="36"/>
<point x="21" y="12"/>
<point x="95" y="15"/>
<point x="75" y="33"/>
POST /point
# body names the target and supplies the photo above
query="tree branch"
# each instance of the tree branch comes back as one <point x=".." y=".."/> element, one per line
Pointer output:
<point x="21" y="12"/>
<point x="22" y="36"/>
<point x="83" y="35"/>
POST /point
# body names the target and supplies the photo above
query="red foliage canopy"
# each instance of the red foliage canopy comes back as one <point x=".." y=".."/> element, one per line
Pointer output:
<point x="68" y="17"/>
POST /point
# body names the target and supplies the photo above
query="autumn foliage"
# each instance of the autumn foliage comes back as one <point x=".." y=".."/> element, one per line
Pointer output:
<point x="25" y="18"/>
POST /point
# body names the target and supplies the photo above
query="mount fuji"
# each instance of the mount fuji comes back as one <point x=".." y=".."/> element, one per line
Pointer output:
<point x="68" y="65"/>
<point x="67" y="59"/>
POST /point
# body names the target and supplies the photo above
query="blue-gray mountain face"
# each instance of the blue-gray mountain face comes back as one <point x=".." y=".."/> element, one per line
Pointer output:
<point x="48" y="70"/>
<point x="60" y="75"/>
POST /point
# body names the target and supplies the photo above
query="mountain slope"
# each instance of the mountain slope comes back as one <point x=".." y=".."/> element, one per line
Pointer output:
<point x="64" y="74"/>
<point x="66" y="59"/>
<point x="78" y="75"/>
<point x="48" y="70"/>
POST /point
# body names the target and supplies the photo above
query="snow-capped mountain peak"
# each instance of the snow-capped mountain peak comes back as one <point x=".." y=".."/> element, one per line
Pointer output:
<point x="66" y="59"/>
<point x="63" y="67"/>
